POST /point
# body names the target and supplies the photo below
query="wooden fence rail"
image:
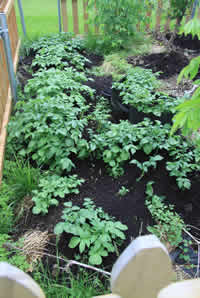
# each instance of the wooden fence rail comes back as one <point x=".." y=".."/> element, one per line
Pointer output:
<point x="7" y="7"/>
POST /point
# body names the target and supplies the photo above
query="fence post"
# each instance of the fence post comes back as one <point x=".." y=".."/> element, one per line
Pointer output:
<point x="75" y="16"/>
<point x="22" y="17"/>
<point x="159" y="13"/>
<point x="59" y="17"/>
<point x="6" y="41"/>
<point x="64" y="15"/>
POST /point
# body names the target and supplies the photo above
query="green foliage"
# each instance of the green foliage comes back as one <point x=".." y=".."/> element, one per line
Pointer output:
<point x="118" y="143"/>
<point x="139" y="89"/>
<point x="116" y="20"/>
<point x="54" y="82"/>
<point x="168" y="224"/>
<point x="50" y="40"/>
<point x="51" y="188"/>
<point x="116" y="65"/>
<point x="11" y="256"/>
<point x="60" y="55"/>
<point x="101" y="114"/>
<point x="21" y="178"/>
<point x="192" y="27"/>
<point x="123" y="191"/>
<point x="95" y="232"/>
<point x="185" y="161"/>
<point x="6" y="209"/>
<point x="179" y="7"/>
<point x="49" y="130"/>
<point x="187" y="114"/>
<point x="83" y="284"/>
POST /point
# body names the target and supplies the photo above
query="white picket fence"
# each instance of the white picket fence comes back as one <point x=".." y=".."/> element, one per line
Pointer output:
<point x="143" y="270"/>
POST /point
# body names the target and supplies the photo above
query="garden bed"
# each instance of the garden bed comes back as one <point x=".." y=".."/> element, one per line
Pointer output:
<point x="115" y="178"/>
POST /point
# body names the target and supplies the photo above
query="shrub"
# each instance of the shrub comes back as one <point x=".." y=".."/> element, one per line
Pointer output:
<point x="117" y="20"/>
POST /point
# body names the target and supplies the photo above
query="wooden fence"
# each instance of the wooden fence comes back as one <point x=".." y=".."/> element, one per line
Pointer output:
<point x="75" y="12"/>
<point x="143" y="270"/>
<point x="7" y="7"/>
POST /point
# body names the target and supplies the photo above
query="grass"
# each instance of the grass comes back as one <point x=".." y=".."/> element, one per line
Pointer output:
<point x="67" y="285"/>
<point x="115" y="64"/>
<point x="41" y="17"/>
<point x="21" y="177"/>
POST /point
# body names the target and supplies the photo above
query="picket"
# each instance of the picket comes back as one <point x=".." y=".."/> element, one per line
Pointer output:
<point x="14" y="283"/>
<point x="142" y="270"/>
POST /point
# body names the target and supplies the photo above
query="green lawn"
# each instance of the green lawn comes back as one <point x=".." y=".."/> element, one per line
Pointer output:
<point x="41" y="17"/>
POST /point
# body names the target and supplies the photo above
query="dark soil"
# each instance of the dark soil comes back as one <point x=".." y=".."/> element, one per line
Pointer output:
<point x="101" y="84"/>
<point x="96" y="60"/>
<point x="168" y="64"/>
<point x="23" y="71"/>
<point x="186" y="42"/>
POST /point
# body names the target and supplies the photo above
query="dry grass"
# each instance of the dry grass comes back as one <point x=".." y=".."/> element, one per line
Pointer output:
<point x="34" y="243"/>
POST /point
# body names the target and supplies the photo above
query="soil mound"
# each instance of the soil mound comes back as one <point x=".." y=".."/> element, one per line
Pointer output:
<point x="186" y="42"/>
<point x="168" y="64"/>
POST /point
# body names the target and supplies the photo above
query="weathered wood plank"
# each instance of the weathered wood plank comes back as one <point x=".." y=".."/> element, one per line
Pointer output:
<point x="5" y="93"/>
<point x="75" y="16"/>
<point x="85" y="14"/>
<point x="64" y="15"/>
<point x="159" y="13"/>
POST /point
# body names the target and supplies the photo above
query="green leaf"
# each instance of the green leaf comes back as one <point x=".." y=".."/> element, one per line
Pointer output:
<point x="74" y="242"/>
<point x="95" y="259"/>
<point x="36" y="210"/>
<point x="82" y="246"/>
<point x="148" y="148"/>
<point x="59" y="228"/>
<point x="67" y="164"/>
